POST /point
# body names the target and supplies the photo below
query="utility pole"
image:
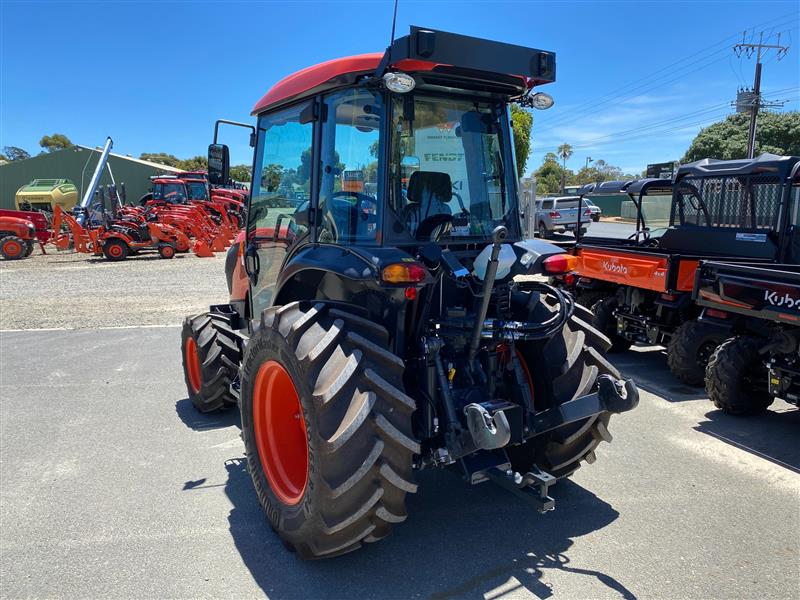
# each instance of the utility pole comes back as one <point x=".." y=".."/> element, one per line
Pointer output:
<point x="750" y="49"/>
<point x="588" y="160"/>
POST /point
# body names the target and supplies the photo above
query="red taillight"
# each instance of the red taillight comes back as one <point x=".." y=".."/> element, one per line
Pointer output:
<point x="559" y="263"/>
<point x="409" y="272"/>
<point x="569" y="279"/>
<point x="411" y="293"/>
<point x="554" y="214"/>
<point x="717" y="314"/>
<point x="587" y="212"/>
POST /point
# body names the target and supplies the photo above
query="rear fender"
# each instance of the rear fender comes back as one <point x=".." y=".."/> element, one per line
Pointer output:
<point x="332" y="273"/>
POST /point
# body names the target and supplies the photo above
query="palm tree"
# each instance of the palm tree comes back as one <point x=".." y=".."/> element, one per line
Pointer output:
<point x="564" y="151"/>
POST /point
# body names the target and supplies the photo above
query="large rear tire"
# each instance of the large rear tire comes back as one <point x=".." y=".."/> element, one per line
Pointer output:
<point x="736" y="378"/>
<point x="211" y="358"/>
<point x="333" y="471"/>
<point x="116" y="249"/>
<point x="561" y="369"/>
<point x="605" y="321"/>
<point x="690" y="349"/>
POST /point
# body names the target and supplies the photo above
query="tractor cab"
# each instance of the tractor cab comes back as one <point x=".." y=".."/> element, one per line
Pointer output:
<point x="170" y="190"/>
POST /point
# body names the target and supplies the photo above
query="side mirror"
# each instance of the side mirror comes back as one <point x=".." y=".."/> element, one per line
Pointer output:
<point x="219" y="164"/>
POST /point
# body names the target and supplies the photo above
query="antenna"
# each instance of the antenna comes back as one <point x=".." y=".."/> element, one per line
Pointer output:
<point x="391" y="40"/>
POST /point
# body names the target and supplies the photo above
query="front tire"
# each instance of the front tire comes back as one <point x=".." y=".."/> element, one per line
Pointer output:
<point x="211" y="358"/>
<point x="355" y="422"/>
<point x="736" y="379"/>
<point x="563" y="368"/>
<point x="690" y="349"/>
<point x="12" y="247"/>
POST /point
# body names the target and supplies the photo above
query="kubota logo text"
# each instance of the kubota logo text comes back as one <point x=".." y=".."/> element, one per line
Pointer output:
<point x="786" y="300"/>
<point x="614" y="267"/>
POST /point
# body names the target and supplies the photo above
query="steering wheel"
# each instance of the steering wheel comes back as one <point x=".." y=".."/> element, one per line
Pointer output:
<point x="433" y="227"/>
<point x="460" y="203"/>
<point x="362" y="200"/>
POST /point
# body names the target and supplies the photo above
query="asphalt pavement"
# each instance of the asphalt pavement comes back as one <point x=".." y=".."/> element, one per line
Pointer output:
<point x="112" y="486"/>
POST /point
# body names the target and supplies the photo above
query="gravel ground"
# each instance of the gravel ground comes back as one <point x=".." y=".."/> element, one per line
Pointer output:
<point x="80" y="291"/>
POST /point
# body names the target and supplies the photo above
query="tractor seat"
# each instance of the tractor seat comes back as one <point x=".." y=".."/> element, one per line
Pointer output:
<point x="428" y="194"/>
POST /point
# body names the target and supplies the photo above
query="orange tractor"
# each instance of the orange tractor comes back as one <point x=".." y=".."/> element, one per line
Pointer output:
<point x="118" y="239"/>
<point x="20" y="230"/>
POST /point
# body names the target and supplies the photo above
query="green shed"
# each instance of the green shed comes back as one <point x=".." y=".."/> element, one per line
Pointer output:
<point x="77" y="164"/>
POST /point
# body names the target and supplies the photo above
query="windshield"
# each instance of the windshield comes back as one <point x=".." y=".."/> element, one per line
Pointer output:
<point x="447" y="172"/>
<point x="174" y="193"/>
<point x="197" y="190"/>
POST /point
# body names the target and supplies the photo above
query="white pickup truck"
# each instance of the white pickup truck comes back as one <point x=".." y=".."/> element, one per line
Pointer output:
<point x="559" y="215"/>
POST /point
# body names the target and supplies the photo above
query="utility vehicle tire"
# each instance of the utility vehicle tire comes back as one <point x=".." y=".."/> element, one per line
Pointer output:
<point x="12" y="247"/>
<point x="116" y="249"/>
<point x="326" y="428"/>
<point x="736" y="378"/>
<point x="166" y="251"/>
<point x="605" y="321"/>
<point x="690" y="348"/>
<point x="543" y="233"/>
<point x="28" y="249"/>
<point x="211" y="358"/>
<point x="562" y="368"/>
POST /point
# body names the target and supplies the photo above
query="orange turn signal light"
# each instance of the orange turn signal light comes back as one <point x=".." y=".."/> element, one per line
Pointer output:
<point x="409" y="272"/>
<point x="559" y="263"/>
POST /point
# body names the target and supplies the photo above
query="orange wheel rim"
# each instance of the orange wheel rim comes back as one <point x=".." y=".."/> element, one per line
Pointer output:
<point x="192" y="364"/>
<point x="280" y="432"/>
<point x="115" y="250"/>
<point x="12" y="248"/>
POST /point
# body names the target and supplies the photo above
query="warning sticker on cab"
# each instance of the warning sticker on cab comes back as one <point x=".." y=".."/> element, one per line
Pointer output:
<point x="751" y="237"/>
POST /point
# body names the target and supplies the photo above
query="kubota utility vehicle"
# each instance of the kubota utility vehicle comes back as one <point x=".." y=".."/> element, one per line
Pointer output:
<point x="760" y="304"/>
<point x="640" y="289"/>
<point x="370" y="335"/>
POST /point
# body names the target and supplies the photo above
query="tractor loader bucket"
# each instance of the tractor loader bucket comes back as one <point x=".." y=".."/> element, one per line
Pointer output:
<point x="201" y="249"/>
<point x="218" y="244"/>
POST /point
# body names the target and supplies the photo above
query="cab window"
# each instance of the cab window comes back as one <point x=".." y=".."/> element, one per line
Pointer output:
<point x="282" y="182"/>
<point x="349" y="212"/>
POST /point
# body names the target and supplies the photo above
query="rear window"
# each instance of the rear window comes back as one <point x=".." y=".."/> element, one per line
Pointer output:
<point x="567" y="204"/>
<point x="547" y="204"/>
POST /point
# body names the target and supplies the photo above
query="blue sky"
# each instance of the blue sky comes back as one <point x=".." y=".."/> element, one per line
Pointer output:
<point x="636" y="80"/>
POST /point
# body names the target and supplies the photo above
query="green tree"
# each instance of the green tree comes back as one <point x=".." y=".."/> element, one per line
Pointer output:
<point x="241" y="173"/>
<point x="550" y="175"/>
<point x="777" y="133"/>
<point x="55" y="142"/>
<point x="565" y="152"/>
<point x="521" y="124"/>
<point x="13" y="153"/>
<point x="161" y="158"/>
<point x="196" y="163"/>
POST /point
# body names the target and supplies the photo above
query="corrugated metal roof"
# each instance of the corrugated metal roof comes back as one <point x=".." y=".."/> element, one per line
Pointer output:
<point x="147" y="163"/>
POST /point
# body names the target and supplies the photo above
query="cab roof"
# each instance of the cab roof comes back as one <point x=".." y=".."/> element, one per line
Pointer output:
<point x="423" y="50"/>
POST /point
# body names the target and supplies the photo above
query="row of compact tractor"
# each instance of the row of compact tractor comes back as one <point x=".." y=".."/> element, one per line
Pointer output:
<point x="177" y="216"/>
<point x="371" y="333"/>
<point x="654" y="288"/>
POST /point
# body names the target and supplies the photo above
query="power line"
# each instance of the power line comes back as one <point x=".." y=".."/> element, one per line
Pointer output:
<point x="591" y="106"/>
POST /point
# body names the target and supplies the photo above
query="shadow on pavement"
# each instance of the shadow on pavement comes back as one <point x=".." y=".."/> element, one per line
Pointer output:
<point x="648" y="367"/>
<point x="200" y="422"/>
<point x="771" y="435"/>
<point x="459" y="541"/>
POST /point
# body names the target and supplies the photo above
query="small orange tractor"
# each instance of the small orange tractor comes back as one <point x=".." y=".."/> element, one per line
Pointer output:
<point x="20" y="230"/>
<point x="118" y="239"/>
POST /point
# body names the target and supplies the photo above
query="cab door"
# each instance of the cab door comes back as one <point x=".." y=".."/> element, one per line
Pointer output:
<point x="277" y="220"/>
